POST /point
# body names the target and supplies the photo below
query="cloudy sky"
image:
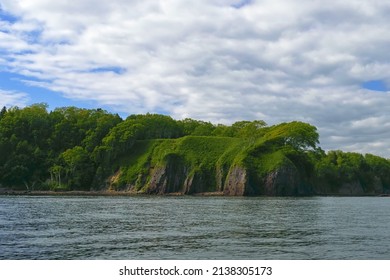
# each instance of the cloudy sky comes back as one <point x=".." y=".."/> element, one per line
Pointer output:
<point x="322" y="62"/>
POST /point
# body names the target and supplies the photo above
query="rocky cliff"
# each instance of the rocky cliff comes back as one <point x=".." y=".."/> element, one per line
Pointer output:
<point x="173" y="178"/>
<point x="196" y="165"/>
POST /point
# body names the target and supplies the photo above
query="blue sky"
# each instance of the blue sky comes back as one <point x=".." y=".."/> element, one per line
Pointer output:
<point x="240" y="4"/>
<point x="213" y="60"/>
<point x="375" y="85"/>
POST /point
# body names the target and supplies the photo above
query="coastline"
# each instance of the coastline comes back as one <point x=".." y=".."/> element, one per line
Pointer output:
<point x="96" y="193"/>
<point x="7" y="192"/>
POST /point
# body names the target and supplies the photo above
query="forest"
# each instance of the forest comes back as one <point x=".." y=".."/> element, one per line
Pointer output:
<point x="76" y="149"/>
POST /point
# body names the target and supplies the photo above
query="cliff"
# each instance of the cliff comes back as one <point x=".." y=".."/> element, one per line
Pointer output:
<point x="74" y="149"/>
<point x="228" y="166"/>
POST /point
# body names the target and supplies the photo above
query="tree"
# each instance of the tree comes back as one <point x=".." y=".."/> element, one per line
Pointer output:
<point x="78" y="168"/>
<point x="196" y="128"/>
<point x="297" y="135"/>
<point x="222" y="130"/>
<point x="3" y="112"/>
<point x="249" y="129"/>
<point x="55" y="175"/>
<point x="380" y="167"/>
<point x="23" y="145"/>
<point x="156" y="126"/>
<point x="117" y="142"/>
<point x="101" y="123"/>
<point x="339" y="167"/>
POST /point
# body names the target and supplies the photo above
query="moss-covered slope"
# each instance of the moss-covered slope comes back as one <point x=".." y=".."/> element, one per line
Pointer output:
<point x="188" y="165"/>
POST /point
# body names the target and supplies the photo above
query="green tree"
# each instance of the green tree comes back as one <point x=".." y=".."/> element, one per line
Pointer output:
<point x="249" y="129"/>
<point x="23" y="145"/>
<point x="380" y="168"/>
<point x="222" y="130"/>
<point x="78" y="168"/>
<point x="196" y="128"/>
<point x="297" y="135"/>
<point x="56" y="174"/>
<point x="117" y="142"/>
<point x="100" y="123"/>
<point x="155" y="126"/>
<point x="3" y="112"/>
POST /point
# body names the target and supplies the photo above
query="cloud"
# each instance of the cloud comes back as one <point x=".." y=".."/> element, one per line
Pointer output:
<point x="218" y="60"/>
<point x="241" y="4"/>
<point x="11" y="98"/>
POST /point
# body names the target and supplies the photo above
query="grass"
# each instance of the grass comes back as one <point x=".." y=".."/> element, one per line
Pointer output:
<point x="202" y="155"/>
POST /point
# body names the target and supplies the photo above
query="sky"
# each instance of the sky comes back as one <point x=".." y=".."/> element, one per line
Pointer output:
<point x="322" y="62"/>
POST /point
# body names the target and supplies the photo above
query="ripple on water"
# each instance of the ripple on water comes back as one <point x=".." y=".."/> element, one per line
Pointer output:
<point x="194" y="228"/>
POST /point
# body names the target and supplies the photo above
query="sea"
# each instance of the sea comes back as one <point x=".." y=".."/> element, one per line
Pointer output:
<point x="194" y="227"/>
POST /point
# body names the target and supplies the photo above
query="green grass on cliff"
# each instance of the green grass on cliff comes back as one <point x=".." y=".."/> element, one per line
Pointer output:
<point x="200" y="153"/>
<point x="266" y="163"/>
<point x="136" y="163"/>
<point x="194" y="150"/>
<point x="204" y="150"/>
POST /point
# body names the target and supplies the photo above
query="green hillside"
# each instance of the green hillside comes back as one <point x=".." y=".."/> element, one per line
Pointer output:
<point x="74" y="149"/>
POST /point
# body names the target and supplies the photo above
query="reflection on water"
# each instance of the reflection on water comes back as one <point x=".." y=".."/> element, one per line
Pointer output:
<point x="194" y="228"/>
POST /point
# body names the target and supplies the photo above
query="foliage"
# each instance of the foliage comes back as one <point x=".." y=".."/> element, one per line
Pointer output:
<point x="338" y="167"/>
<point x="77" y="167"/>
<point x="77" y="149"/>
<point x="32" y="142"/>
<point x="24" y="137"/>
<point x="298" y="135"/>
<point x="196" y="128"/>
<point x="3" y="112"/>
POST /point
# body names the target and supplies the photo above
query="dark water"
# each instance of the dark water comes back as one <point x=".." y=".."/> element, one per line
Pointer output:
<point x="194" y="228"/>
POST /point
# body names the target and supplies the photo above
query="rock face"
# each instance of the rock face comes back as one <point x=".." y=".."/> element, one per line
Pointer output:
<point x="236" y="182"/>
<point x="176" y="177"/>
<point x="169" y="178"/>
<point x="281" y="182"/>
<point x="174" y="174"/>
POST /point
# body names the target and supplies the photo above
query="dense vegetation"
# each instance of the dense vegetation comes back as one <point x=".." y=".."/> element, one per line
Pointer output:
<point x="78" y="149"/>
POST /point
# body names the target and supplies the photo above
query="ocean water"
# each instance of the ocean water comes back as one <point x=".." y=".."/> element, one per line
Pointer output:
<point x="185" y="227"/>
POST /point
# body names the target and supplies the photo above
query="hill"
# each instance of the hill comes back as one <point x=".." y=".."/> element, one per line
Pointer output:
<point x="84" y="150"/>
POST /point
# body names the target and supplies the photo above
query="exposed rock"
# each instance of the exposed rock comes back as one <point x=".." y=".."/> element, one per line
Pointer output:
<point x="236" y="181"/>
<point x="175" y="178"/>
<point x="112" y="180"/>
<point x="175" y="175"/>
<point x="194" y="183"/>
<point x="168" y="178"/>
<point x="282" y="182"/>
<point x="220" y="179"/>
<point x="158" y="181"/>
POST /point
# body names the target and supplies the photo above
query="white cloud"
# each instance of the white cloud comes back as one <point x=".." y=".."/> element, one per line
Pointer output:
<point x="11" y="98"/>
<point x="277" y="60"/>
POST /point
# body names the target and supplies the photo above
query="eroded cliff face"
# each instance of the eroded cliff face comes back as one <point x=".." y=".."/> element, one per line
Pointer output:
<point x="166" y="179"/>
<point x="174" y="174"/>
<point x="176" y="177"/>
<point x="282" y="182"/>
<point x="236" y="182"/>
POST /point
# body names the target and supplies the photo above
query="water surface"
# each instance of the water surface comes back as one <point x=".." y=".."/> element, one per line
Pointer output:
<point x="160" y="227"/>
